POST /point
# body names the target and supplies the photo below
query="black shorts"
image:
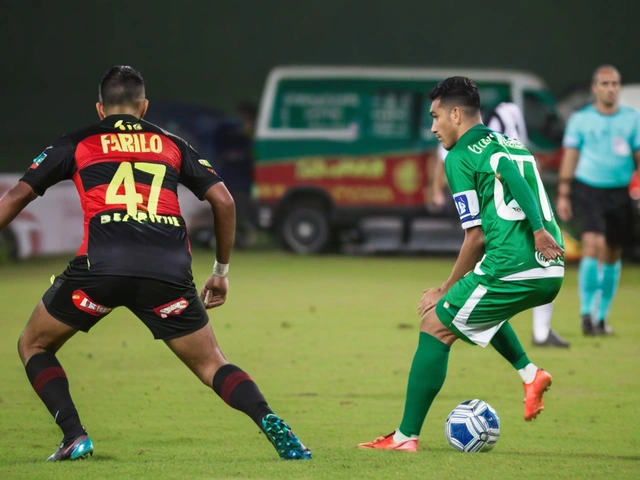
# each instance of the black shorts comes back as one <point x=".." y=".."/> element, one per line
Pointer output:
<point x="605" y="210"/>
<point x="80" y="300"/>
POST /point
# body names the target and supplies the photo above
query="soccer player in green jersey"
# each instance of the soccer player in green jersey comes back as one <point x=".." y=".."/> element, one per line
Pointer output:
<point x="511" y="258"/>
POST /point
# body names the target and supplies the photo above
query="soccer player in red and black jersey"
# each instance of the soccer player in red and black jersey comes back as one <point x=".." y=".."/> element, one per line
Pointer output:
<point x="135" y="254"/>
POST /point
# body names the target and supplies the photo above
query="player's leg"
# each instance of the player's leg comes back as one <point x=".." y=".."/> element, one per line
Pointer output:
<point x="200" y="352"/>
<point x="177" y="316"/>
<point x="41" y="339"/>
<point x="591" y="204"/>
<point x="511" y="298"/>
<point x="535" y="380"/>
<point x="543" y="335"/>
<point x="593" y="244"/>
<point x="426" y="377"/>
<point x="65" y="308"/>
<point x="617" y="234"/>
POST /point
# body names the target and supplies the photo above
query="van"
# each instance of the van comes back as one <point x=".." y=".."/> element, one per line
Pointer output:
<point x="343" y="154"/>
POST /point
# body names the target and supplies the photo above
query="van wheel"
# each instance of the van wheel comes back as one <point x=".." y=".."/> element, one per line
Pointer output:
<point x="305" y="228"/>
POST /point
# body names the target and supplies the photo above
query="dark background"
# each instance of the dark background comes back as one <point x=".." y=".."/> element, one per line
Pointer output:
<point x="53" y="53"/>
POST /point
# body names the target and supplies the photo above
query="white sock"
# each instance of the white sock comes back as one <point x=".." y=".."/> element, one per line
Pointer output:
<point x="542" y="322"/>
<point x="400" y="437"/>
<point x="528" y="373"/>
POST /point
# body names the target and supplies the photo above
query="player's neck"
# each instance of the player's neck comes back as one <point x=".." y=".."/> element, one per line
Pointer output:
<point x="605" y="109"/>
<point x="466" y="126"/>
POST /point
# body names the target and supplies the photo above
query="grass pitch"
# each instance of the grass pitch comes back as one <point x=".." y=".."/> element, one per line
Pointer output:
<point x="329" y="340"/>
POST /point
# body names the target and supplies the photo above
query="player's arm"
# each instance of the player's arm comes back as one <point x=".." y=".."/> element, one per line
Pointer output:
<point x="522" y="193"/>
<point x="636" y="158"/>
<point x="470" y="253"/>
<point x="461" y="178"/>
<point x="14" y="201"/>
<point x="565" y="178"/>
<point x="224" y="215"/>
<point x="439" y="178"/>
<point x="214" y="291"/>
<point x="572" y="142"/>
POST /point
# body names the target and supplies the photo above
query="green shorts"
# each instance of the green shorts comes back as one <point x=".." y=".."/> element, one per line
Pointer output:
<point x="477" y="306"/>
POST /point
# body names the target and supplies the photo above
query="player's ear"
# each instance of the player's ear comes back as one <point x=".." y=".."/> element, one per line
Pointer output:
<point x="145" y="107"/>
<point x="100" y="110"/>
<point x="456" y="117"/>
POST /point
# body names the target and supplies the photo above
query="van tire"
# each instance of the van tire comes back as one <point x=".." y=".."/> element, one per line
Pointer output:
<point x="305" y="228"/>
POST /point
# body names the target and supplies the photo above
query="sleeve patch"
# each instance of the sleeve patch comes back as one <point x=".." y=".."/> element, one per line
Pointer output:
<point x="468" y="206"/>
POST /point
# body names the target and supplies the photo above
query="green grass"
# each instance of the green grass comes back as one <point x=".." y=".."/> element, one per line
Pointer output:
<point x="329" y="340"/>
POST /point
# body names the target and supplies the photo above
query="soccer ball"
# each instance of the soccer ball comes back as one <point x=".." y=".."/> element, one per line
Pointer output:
<point x="473" y="426"/>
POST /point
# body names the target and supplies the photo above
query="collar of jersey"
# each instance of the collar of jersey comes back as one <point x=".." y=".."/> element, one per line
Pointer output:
<point x="120" y="116"/>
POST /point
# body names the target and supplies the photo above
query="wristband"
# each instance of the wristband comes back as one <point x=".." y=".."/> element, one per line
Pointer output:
<point x="220" y="269"/>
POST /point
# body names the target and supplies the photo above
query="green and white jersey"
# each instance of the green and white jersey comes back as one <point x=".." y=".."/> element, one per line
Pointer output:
<point x="483" y="198"/>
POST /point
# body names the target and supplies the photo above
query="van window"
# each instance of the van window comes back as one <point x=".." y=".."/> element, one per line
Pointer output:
<point x="315" y="105"/>
<point x="543" y="123"/>
<point x="392" y="115"/>
<point x="492" y="94"/>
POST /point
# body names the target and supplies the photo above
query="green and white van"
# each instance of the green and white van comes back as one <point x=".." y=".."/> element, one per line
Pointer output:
<point x="345" y="153"/>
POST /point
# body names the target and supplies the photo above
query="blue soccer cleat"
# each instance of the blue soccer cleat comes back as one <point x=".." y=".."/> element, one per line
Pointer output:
<point x="288" y="446"/>
<point x="81" y="447"/>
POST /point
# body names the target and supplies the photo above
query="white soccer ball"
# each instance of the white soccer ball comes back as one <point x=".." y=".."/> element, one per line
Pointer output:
<point x="473" y="426"/>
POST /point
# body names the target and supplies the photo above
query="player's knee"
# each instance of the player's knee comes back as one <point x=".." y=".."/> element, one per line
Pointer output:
<point x="28" y="347"/>
<point x="432" y="325"/>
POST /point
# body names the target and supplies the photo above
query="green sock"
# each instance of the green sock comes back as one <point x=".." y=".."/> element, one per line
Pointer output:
<point x="506" y="342"/>
<point x="428" y="371"/>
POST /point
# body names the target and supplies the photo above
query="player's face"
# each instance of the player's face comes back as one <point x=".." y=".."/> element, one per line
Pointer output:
<point x="606" y="87"/>
<point x="443" y="125"/>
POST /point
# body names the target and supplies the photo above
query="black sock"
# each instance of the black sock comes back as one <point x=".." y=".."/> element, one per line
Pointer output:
<point x="239" y="391"/>
<point x="50" y="383"/>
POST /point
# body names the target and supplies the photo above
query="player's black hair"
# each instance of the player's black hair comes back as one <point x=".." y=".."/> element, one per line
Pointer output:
<point x="458" y="92"/>
<point x="121" y="85"/>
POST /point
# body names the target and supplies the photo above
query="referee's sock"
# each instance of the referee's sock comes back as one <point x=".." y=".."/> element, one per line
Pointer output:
<point x="239" y="391"/>
<point x="609" y="285"/>
<point x="49" y="380"/>
<point x="588" y="283"/>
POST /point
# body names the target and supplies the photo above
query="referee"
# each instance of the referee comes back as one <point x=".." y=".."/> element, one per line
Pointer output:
<point x="602" y="149"/>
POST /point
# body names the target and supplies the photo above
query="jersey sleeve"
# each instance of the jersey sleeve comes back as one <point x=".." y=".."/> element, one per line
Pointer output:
<point x="573" y="137"/>
<point x="54" y="164"/>
<point x="196" y="173"/>
<point x="463" y="187"/>
<point x="635" y="139"/>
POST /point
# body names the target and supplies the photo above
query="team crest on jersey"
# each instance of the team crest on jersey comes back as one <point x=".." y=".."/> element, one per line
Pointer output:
<point x="82" y="302"/>
<point x="556" y="262"/>
<point x="172" y="308"/>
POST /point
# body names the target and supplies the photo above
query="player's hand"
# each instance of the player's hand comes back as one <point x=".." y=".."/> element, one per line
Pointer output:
<point x="563" y="208"/>
<point x="214" y="291"/>
<point x="429" y="300"/>
<point x="546" y="245"/>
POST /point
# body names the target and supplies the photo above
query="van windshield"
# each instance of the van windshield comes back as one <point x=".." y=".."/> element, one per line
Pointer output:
<point x="544" y="126"/>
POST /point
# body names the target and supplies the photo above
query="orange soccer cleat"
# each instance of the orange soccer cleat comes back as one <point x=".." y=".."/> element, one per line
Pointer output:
<point x="387" y="443"/>
<point x="533" y="402"/>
